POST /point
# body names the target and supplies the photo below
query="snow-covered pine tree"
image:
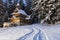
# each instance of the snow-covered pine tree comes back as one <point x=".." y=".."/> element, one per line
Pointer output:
<point x="28" y="6"/>
<point x="15" y="1"/>
<point x="46" y="10"/>
<point x="10" y="7"/>
<point x="2" y="9"/>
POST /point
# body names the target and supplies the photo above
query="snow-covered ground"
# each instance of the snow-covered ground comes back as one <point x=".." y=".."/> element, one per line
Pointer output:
<point x="31" y="32"/>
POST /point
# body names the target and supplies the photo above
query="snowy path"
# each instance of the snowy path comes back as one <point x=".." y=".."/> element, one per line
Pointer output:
<point x="31" y="35"/>
<point x="31" y="32"/>
<point x="53" y="32"/>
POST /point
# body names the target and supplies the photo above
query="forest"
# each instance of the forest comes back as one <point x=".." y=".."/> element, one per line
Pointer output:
<point x="40" y="11"/>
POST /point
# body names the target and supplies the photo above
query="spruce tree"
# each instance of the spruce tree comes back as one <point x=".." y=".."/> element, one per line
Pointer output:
<point x="2" y="9"/>
<point x="46" y="10"/>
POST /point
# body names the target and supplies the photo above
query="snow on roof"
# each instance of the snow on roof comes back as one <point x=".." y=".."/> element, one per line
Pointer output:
<point x="22" y="12"/>
<point x="18" y="4"/>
